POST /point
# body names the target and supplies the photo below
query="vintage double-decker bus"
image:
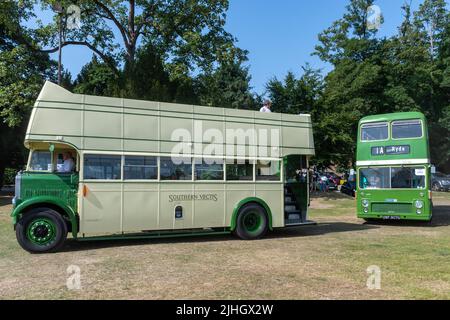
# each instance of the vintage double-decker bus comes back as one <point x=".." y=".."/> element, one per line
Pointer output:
<point x="112" y="168"/>
<point x="393" y="167"/>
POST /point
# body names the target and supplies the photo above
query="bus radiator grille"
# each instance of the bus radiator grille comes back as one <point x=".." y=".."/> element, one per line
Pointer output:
<point x="391" y="207"/>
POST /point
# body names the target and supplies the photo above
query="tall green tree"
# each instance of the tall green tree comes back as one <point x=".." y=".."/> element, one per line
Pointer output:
<point x="22" y="74"/>
<point x="186" y="32"/>
<point x="294" y="95"/>
<point x="228" y="86"/>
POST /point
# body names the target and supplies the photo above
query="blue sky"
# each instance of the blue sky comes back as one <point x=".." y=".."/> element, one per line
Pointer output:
<point x="279" y="35"/>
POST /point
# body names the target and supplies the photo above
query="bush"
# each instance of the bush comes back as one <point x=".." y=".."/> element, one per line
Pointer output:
<point x="10" y="175"/>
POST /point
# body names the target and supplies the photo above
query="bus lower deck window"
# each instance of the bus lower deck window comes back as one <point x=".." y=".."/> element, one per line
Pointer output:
<point x="102" y="167"/>
<point x="173" y="168"/>
<point x="240" y="171"/>
<point x="208" y="169"/>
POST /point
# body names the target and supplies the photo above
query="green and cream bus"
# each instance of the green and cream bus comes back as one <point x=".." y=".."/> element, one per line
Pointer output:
<point x="393" y="167"/>
<point x="141" y="169"/>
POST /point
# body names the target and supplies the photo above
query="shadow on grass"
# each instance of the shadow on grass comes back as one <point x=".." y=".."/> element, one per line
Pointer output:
<point x="5" y="198"/>
<point x="291" y="232"/>
<point x="85" y="245"/>
<point x="441" y="218"/>
<point x="319" y="229"/>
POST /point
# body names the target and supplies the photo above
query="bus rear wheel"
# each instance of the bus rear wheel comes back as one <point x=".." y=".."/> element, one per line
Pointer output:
<point x="252" y="222"/>
<point x="41" y="230"/>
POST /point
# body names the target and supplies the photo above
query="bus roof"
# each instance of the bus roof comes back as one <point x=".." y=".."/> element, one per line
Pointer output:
<point x="393" y="116"/>
<point x="124" y="125"/>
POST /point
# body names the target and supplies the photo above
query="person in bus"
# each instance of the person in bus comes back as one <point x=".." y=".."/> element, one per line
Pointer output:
<point x="68" y="163"/>
<point x="375" y="182"/>
<point x="266" y="106"/>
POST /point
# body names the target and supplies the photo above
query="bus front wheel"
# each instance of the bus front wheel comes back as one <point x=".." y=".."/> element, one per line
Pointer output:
<point x="41" y="230"/>
<point x="252" y="222"/>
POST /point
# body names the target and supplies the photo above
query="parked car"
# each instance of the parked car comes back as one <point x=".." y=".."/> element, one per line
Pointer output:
<point x="440" y="182"/>
<point x="349" y="188"/>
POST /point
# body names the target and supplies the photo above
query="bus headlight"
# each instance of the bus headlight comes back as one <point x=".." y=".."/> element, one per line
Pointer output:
<point x="366" y="210"/>
<point x="419" y="204"/>
<point x="365" y="203"/>
<point x="418" y="211"/>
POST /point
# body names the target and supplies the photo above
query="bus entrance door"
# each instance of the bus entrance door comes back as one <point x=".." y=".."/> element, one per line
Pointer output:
<point x="296" y="190"/>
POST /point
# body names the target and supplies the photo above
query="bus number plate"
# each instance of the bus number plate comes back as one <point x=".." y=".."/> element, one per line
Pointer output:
<point x="391" y="217"/>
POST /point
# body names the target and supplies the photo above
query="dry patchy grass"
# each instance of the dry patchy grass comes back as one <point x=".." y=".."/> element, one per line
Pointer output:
<point x="327" y="261"/>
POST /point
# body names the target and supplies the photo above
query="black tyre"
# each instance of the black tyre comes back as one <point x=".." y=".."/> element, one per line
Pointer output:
<point x="41" y="230"/>
<point x="252" y="222"/>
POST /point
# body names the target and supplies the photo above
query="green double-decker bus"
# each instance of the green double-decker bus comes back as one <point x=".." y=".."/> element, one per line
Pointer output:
<point x="393" y="167"/>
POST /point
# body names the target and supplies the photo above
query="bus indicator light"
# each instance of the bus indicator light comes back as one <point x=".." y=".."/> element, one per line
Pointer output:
<point x="85" y="191"/>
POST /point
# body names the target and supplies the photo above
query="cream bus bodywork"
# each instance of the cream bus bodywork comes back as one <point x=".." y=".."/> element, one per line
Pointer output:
<point x="116" y="126"/>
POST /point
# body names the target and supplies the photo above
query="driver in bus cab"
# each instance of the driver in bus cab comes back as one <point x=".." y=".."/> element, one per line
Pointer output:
<point x="68" y="164"/>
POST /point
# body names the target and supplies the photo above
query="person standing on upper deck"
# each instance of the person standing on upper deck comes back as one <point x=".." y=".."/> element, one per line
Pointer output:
<point x="266" y="106"/>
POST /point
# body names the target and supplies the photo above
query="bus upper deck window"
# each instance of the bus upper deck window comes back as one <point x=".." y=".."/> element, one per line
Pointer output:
<point x="374" y="131"/>
<point x="406" y="129"/>
<point x="41" y="161"/>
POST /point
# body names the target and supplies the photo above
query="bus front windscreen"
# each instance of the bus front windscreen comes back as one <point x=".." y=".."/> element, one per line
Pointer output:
<point x="392" y="178"/>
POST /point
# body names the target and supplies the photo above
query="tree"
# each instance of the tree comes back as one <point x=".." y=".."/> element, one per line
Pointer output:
<point x="431" y="21"/>
<point x="22" y="74"/>
<point x="349" y="37"/>
<point x="95" y="78"/>
<point x="296" y="95"/>
<point x="188" y="32"/>
<point x="228" y="86"/>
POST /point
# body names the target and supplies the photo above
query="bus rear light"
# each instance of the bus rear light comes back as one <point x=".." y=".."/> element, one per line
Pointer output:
<point x="430" y="195"/>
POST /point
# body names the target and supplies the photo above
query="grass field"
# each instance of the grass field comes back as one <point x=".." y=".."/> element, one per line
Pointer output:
<point x="327" y="261"/>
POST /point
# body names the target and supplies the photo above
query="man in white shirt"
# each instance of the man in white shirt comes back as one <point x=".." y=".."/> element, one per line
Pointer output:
<point x="266" y="106"/>
<point x="68" y="164"/>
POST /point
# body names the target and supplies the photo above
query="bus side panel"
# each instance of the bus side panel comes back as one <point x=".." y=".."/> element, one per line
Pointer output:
<point x="209" y="206"/>
<point x="236" y="192"/>
<point x="169" y="200"/>
<point x="141" y="207"/>
<point x="101" y="208"/>
<point x="272" y="194"/>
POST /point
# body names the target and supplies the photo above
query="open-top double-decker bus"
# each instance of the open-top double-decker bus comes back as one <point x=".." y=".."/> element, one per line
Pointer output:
<point x="393" y="167"/>
<point x="109" y="168"/>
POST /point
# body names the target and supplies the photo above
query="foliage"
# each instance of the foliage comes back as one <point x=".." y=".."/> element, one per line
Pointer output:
<point x="371" y="75"/>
